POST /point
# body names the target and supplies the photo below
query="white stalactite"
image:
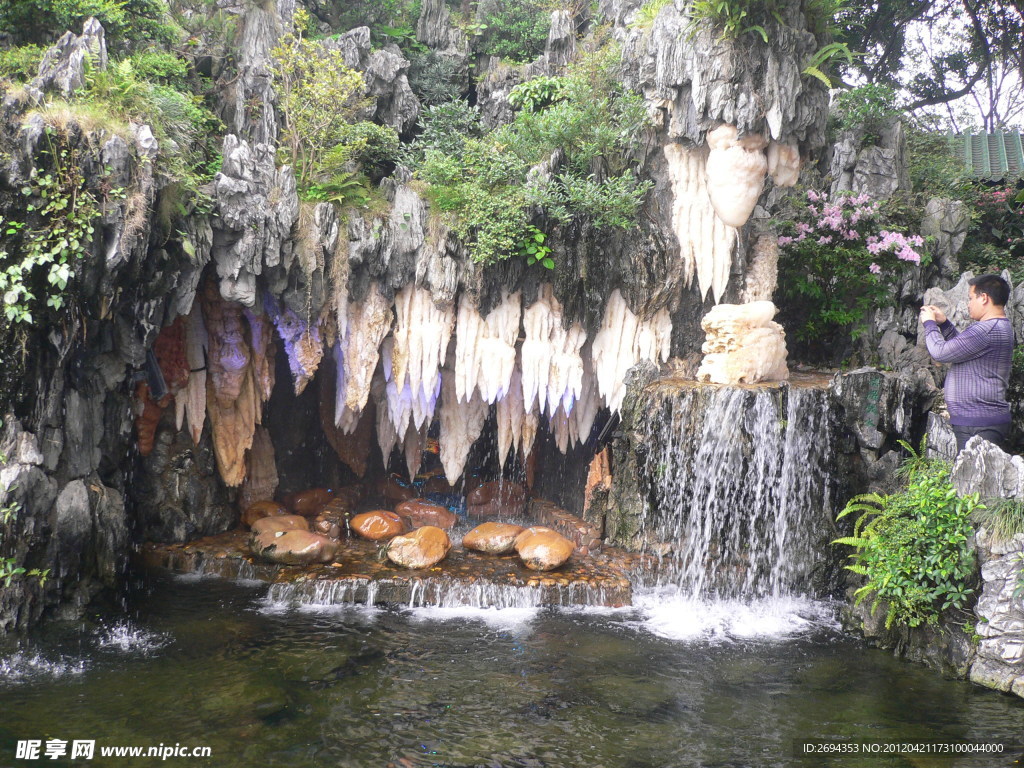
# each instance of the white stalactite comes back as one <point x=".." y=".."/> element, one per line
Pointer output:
<point x="623" y="341"/>
<point x="510" y="413"/>
<point x="783" y="163"/>
<point x="705" y="241"/>
<point x="194" y="396"/>
<point x="387" y="437"/>
<point x="421" y="336"/>
<point x="366" y="324"/>
<point x="763" y="272"/>
<point x="552" y="368"/>
<point x="415" y="442"/>
<point x="461" y="424"/>
<point x="735" y="169"/>
<point x="485" y="352"/>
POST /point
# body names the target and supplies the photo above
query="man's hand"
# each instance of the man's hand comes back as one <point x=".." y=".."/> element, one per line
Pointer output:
<point x="932" y="312"/>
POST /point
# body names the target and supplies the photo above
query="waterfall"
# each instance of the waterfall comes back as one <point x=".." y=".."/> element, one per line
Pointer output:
<point x="737" y="484"/>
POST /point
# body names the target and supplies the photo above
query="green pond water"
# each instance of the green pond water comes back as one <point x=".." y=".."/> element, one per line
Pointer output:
<point x="204" y="663"/>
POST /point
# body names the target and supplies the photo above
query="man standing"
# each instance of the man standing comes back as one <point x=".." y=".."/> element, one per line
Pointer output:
<point x="981" y="357"/>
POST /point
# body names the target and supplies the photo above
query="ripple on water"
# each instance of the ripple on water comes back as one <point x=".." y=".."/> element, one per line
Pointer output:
<point x="22" y="667"/>
<point x="516" y="620"/>
<point x="677" y="617"/>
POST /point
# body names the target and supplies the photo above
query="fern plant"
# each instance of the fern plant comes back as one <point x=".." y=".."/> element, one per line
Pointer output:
<point x="914" y="548"/>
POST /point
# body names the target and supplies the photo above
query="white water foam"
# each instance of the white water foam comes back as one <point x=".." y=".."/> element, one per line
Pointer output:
<point x="128" y="638"/>
<point x="670" y="615"/>
<point x="21" y="667"/>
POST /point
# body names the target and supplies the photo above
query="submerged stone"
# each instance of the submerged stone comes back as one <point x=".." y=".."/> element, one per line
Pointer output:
<point x="419" y="513"/>
<point x="279" y="523"/>
<point x="497" y="497"/>
<point x="294" y="547"/>
<point x="543" y="549"/>
<point x="377" y="524"/>
<point x="309" y="503"/>
<point x="492" y="538"/>
<point x="422" y="548"/>
<point x="262" y="509"/>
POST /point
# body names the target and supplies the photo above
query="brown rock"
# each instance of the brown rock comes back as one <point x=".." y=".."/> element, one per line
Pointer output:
<point x="492" y="538"/>
<point x="308" y="503"/>
<point x="377" y="524"/>
<point x="294" y="547"/>
<point x="542" y="549"/>
<point x="327" y="526"/>
<point x="420" y="549"/>
<point x="395" y="489"/>
<point x="438" y="484"/>
<point x="262" y="509"/>
<point x="497" y="498"/>
<point x="419" y="513"/>
<point x="280" y="523"/>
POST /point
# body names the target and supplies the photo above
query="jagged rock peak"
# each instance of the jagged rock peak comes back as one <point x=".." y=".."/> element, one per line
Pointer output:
<point x="63" y="66"/>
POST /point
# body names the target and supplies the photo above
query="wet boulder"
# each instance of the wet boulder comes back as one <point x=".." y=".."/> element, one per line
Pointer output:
<point x="422" y="548"/>
<point x="262" y="509"/>
<point x="279" y="523"/>
<point x="419" y="513"/>
<point x="492" y="538"/>
<point x="327" y="525"/>
<point x="543" y="549"/>
<point x="294" y="547"/>
<point x="308" y="503"/>
<point x="377" y="524"/>
<point x="497" y="498"/>
<point x="396" y="489"/>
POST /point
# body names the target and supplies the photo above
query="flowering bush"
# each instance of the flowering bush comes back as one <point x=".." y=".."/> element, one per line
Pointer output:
<point x="996" y="238"/>
<point x="837" y="261"/>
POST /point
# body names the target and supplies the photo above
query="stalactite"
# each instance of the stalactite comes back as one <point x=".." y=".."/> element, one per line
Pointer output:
<point x="510" y="413"/>
<point x="196" y="343"/>
<point x="261" y="471"/>
<point x="783" y="163"/>
<point x="736" y="169"/>
<point x="262" y="352"/>
<point x="353" y="447"/>
<point x="461" y="424"/>
<point x="485" y="353"/>
<point x="387" y="436"/>
<point x="744" y="345"/>
<point x="420" y="343"/>
<point x="302" y="343"/>
<point x="623" y="340"/>
<point x="414" y="443"/>
<point x="589" y="403"/>
<point x="360" y="333"/>
<point x="169" y="348"/>
<point x="552" y="368"/>
<point x="233" y="404"/>
<point x="705" y="242"/>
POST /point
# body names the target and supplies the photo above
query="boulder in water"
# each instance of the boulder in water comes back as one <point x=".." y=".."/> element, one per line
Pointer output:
<point x="419" y="513"/>
<point x="279" y="523"/>
<point x="492" y="538"/>
<point x="543" y="549"/>
<point x="377" y="524"/>
<point x="497" y="498"/>
<point x="395" y="489"/>
<point x="294" y="547"/>
<point x="422" y="548"/>
<point x="261" y="509"/>
<point x="308" y="503"/>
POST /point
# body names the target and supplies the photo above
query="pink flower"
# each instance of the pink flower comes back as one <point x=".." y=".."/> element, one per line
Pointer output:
<point x="875" y="269"/>
<point x="783" y="240"/>
<point x="824" y="240"/>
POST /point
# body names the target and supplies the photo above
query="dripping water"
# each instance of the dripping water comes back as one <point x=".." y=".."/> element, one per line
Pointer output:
<point x="738" y="484"/>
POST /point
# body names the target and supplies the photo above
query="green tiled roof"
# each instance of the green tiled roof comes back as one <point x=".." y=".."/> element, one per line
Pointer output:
<point x="992" y="156"/>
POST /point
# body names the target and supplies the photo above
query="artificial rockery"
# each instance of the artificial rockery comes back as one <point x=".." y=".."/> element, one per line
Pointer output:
<point x="303" y="311"/>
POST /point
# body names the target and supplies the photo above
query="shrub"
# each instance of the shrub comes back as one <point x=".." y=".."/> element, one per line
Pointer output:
<point x="516" y="30"/>
<point x="996" y="239"/>
<point x="434" y="79"/>
<point x="867" y="108"/>
<point x="838" y="260"/>
<point x="21" y="63"/>
<point x="444" y="128"/>
<point x="584" y="141"/>
<point x="914" y="547"/>
<point x="126" y="22"/>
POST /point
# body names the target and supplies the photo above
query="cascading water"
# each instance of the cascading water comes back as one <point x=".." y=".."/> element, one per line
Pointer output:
<point x="737" y="482"/>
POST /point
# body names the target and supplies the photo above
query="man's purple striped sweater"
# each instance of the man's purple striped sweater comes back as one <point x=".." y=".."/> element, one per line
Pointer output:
<point x="980" y="372"/>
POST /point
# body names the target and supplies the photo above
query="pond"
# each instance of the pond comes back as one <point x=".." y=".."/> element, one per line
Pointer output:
<point x="195" y="662"/>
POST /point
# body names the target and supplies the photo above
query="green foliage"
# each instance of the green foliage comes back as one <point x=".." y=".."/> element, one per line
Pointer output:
<point x="867" y="108"/>
<point x="838" y="260"/>
<point x="734" y="18"/>
<point x="537" y="94"/>
<point x="914" y="547"/>
<point x="9" y="568"/>
<point x="934" y="167"/>
<point x="648" y="12"/>
<point x="584" y="140"/>
<point x="126" y="22"/>
<point x="21" y="63"/>
<point x="375" y="14"/>
<point x="444" y="128"/>
<point x="434" y="79"/>
<point x="1004" y="518"/>
<point x="821" y="59"/>
<point x="43" y="257"/>
<point x="344" y="188"/>
<point x="159" y="66"/>
<point x="532" y="248"/>
<point x="515" y="30"/>
<point x="996" y="239"/>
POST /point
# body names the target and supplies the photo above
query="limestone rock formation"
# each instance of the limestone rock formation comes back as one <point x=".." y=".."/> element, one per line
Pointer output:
<point x="744" y="345"/>
<point x="984" y="468"/>
<point x="422" y="548"/>
<point x="294" y="547"/>
<point x="64" y="64"/>
<point x="309" y="503"/>
<point x="736" y="168"/>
